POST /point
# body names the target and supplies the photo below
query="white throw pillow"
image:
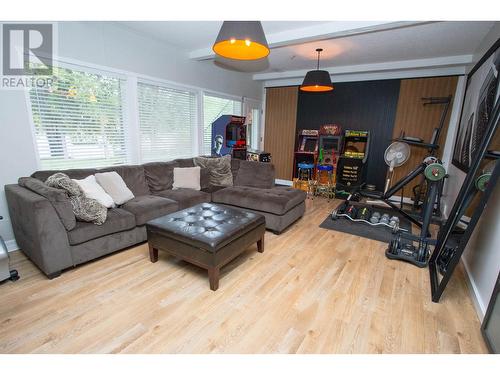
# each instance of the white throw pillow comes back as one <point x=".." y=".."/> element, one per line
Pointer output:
<point x="91" y="189"/>
<point x="114" y="185"/>
<point x="187" y="178"/>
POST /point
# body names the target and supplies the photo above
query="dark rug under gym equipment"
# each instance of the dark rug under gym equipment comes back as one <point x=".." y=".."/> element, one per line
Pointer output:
<point x="379" y="233"/>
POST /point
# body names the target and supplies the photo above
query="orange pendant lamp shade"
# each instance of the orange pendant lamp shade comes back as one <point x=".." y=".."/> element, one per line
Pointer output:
<point x="317" y="80"/>
<point x="241" y="40"/>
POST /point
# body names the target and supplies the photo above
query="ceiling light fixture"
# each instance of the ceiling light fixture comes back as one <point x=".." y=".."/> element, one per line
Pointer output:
<point x="317" y="80"/>
<point x="241" y="40"/>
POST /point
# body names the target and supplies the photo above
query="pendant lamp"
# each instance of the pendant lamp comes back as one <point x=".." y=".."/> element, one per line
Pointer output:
<point x="317" y="80"/>
<point x="241" y="40"/>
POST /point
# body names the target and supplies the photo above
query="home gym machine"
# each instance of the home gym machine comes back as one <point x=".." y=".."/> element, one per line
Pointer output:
<point x="229" y="136"/>
<point x="351" y="166"/>
<point x="451" y="242"/>
<point x="406" y="246"/>
<point x="432" y="148"/>
<point x="5" y="271"/>
<point x="403" y="246"/>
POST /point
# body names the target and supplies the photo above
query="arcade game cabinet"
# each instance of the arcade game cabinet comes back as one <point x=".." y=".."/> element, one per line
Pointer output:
<point x="351" y="166"/>
<point x="307" y="149"/>
<point x="330" y="142"/>
<point x="229" y="136"/>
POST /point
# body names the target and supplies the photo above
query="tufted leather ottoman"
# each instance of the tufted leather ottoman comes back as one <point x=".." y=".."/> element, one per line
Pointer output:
<point x="207" y="235"/>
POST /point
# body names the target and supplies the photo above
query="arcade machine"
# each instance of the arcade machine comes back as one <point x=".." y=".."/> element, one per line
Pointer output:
<point x="351" y="165"/>
<point x="330" y="136"/>
<point x="229" y="136"/>
<point x="330" y="142"/>
<point x="307" y="149"/>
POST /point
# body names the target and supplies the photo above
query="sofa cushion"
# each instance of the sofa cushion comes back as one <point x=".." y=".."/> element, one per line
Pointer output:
<point x="134" y="178"/>
<point x="186" y="197"/>
<point x="187" y="178"/>
<point x="277" y="200"/>
<point x="91" y="189"/>
<point x="160" y="175"/>
<point x="255" y="174"/>
<point x="219" y="168"/>
<point x="57" y="197"/>
<point x="149" y="207"/>
<point x="113" y="184"/>
<point x="235" y="166"/>
<point x="185" y="163"/>
<point x="118" y="220"/>
<point x="76" y="174"/>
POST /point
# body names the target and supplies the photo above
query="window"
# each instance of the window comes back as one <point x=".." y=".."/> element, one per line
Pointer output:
<point x="213" y="108"/>
<point x="78" y="120"/>
<point x="167" y="119"/>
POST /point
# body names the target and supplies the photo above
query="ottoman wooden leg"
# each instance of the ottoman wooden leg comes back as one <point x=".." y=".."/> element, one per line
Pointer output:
<point x="153" y="254"/>
<point x="260" y="245"/>
<point x="213" y="277"/>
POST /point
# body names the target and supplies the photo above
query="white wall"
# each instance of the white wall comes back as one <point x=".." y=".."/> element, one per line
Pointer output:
<point x="114" y="46"/>
<point x="482" y="256"/>
<point x="17" y="152"/>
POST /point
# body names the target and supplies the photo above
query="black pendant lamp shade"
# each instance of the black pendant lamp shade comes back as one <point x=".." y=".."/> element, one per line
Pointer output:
<point x="241" y="40"/>
<point x="317" y="80"/>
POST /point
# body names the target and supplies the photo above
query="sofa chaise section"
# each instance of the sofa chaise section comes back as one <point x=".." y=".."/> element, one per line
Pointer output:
<point x="281" y="206"/>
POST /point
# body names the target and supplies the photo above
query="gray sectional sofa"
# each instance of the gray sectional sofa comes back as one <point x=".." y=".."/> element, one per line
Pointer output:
<point x="46" y="231"/>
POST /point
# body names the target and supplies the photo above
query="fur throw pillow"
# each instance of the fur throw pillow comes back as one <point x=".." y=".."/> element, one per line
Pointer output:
<point x="85" y="209"/>
<point x="219" y="169"/>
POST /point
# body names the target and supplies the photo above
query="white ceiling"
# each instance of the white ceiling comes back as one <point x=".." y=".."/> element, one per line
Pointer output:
<point x="410" y="42"/>
<point x="416" y="42"/>
<point x="192" y="35"/>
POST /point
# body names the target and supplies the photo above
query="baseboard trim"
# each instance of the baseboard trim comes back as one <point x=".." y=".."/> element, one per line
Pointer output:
<point x="11" y="245"/>
<point x="474" y="293"/>
<point x="283" y="182"/>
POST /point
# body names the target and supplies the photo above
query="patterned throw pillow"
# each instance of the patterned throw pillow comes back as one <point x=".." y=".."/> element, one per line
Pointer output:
<point x="85" y="209"/>
<point x="219" y="169"/>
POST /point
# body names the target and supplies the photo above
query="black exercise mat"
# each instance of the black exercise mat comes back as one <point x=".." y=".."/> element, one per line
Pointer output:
<point x="378" y="233"/>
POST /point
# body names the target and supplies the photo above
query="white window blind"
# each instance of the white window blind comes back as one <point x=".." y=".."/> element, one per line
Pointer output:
<point x="78" y="120"/>
<point x="213" y="108"/>
<point x="167" y="119"/>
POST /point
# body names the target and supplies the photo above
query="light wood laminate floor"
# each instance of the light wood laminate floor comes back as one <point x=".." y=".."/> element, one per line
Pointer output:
<point x="312" y="291"/>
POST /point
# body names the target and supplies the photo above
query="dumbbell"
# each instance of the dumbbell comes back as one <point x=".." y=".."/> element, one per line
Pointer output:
<point x="375" y="217"/>
<point x="363" y="213"/>
<point x="384" y="219"/>
<point x="394" y="220"/>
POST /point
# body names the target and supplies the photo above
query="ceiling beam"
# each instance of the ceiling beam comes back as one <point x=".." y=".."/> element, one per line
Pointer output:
<point x="436" y="62"/>
<point x="322" y="31"/>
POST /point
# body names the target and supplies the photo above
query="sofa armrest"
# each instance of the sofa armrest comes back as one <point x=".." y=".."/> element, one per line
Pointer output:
<point x="38" y="229"/>
<point x="255" y="174"/>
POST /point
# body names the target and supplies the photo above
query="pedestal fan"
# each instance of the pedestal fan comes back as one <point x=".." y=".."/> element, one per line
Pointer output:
<point x="395" y="155"/>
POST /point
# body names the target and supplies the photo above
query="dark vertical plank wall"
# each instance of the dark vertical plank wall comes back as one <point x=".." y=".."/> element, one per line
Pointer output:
<point x="369" y="105"/>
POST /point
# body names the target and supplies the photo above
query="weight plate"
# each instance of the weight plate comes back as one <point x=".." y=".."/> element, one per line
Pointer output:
<point x="435" y="172"/>
<point x="482" y="181"/>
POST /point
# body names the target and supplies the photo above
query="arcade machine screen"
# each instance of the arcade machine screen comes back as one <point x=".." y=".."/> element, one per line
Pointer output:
<point x="310" y="144"/>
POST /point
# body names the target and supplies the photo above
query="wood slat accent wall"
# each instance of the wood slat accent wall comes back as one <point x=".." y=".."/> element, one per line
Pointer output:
<point x="418" y="120"/>
<point x="279" y="134"/>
